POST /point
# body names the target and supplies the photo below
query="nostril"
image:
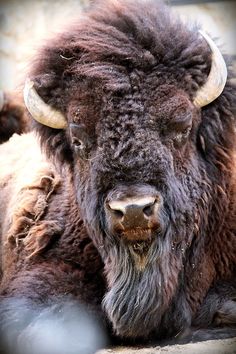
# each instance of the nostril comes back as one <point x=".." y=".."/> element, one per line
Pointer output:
<point x="148" y="210"/>
<point x="117" y="213"/>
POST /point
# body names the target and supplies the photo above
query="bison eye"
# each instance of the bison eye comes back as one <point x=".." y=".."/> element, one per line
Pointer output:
<point x="80" y="140"/>
<point x="179" y="127"/>
<point x="181" y="137"/>
<point x="77" y="143"/>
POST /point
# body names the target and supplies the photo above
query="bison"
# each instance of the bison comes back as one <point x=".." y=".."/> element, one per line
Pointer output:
<point x="13" y="115"/>
<point x="123" y="198"/>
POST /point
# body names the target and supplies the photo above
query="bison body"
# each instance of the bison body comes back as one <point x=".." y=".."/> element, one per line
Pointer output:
<point x="127" y="203"/>
<point x="13" y="116"/>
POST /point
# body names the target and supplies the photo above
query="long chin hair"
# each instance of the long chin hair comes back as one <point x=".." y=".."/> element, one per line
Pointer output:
<point x="139" y="291"/>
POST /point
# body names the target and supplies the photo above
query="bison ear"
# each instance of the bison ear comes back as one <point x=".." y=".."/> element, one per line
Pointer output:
<point x="41" y="111"/>
<point x="217" y="77"/>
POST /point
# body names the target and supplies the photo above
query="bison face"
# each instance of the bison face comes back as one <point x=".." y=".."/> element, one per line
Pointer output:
<point x="138" y="183"/>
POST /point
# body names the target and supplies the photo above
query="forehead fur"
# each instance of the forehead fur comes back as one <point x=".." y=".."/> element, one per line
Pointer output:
<point x="113" y="39"/>
<point x="129" y="48"/>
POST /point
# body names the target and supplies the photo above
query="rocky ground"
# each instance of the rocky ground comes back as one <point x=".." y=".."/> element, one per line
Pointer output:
<point x="227" y="346"/>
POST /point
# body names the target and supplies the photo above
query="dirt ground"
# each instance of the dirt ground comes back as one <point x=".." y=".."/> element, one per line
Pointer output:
<point x="226" y="346"/>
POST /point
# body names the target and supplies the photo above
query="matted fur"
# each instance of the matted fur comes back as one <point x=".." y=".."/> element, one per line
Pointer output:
<point x="126" y="74"/>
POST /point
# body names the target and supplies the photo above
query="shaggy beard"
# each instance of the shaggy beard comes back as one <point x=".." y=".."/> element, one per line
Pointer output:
<point x="138" y="297"/>
<point x="139" y="290"/>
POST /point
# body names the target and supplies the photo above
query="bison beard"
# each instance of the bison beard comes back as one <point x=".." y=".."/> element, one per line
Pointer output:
<point x="141" y="282"/>
<point x="129" y="301"/>
<point x="136" y="296"/>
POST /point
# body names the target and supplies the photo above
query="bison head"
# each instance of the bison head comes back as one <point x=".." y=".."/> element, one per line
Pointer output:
<point x="127" y="97"/>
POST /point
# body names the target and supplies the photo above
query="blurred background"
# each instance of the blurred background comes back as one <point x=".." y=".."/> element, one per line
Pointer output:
<point x="25" y="23"/>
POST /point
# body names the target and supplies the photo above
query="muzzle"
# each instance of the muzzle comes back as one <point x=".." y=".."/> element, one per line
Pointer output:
<point x="133" y="211"/>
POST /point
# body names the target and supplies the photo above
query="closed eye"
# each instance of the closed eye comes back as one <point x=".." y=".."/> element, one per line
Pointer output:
<point x="180" y="124"/>
<point x="178" y="130"/>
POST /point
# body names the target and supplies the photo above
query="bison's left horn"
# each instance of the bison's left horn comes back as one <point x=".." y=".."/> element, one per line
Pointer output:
<point x="216" y="79"/>
<point x="41" y="111"/>
<point x="1" y="100"/>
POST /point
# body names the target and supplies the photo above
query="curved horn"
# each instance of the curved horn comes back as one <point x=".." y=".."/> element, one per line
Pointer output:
<point x="41" y="111"/>
<point x="216" y="79"/>
<point x="1" y="100"/>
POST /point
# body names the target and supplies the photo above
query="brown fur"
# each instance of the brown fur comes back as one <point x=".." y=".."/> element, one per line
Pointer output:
<point x="13" y="116"/>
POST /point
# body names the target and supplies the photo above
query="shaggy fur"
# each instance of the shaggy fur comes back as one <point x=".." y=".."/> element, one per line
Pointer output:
<point x="125" y="77"/>
<point x="13" y="116"/>
<point x="39" y="215"/>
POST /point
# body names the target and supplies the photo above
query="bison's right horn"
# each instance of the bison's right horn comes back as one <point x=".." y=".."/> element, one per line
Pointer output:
<point x="1" y="100"/>
<point x="41" y="111"/>
<point x="216" y="79"/>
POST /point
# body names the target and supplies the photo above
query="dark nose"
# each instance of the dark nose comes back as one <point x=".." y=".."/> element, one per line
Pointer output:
<point x="135" y="212"/>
